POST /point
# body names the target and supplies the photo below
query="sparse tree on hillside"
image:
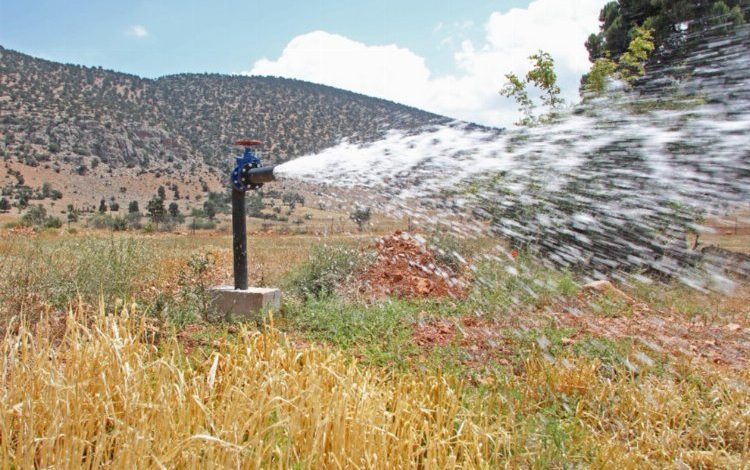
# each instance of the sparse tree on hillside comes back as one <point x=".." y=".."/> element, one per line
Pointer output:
<point x="4" y="205"/>
<point x="72" y="214"/>
<point x="102" y="206"/>
<point x="23" y="201"/>
<point x="155" y="209"/>
<point x="210" y="209"/>
<point x="361" y="216"/>
<point x="162" y="193"/>
<point x="174" y="209"/>
<point x="133" y="207"/>
<point x="35" y="216"/>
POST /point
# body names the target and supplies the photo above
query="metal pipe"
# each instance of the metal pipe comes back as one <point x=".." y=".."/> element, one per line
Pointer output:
<point x="260" y="175"/>
<point x="239" y="232"/>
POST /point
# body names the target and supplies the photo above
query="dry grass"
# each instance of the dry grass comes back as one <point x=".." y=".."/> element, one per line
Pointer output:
<point x="109" y="394"/>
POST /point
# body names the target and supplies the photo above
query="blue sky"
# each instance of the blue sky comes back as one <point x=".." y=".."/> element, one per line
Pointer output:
<point x="224" y="36"/>
<point x="389" y="42"/>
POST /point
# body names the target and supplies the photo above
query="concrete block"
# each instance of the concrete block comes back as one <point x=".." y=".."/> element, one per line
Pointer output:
<point x="244" y="305"/>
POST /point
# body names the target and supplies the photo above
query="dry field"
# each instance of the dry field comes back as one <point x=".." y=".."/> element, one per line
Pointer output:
<point x="109" y="358"/>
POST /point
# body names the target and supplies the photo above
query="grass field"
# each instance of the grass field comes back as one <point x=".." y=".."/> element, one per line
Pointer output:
<point x="109" y="360"/>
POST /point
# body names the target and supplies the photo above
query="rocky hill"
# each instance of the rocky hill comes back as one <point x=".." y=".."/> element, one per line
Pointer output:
<point x="52" y="112"/>
<point x="73" y="135"/>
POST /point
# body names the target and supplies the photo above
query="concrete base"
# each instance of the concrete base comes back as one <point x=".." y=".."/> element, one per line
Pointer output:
<point x="243" y="305"/>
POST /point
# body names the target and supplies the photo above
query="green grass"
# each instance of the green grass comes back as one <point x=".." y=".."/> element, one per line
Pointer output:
<point x="64" y="271"/>
<point x="380" y="333"/>
<point x="326" y="270"/>
<point x="506" y="287"/>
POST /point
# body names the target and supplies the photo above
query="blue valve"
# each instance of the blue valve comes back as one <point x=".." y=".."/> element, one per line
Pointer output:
<point x="245" y="162"/>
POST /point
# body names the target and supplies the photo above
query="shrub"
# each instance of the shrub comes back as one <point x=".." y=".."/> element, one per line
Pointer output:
<point x="60" y="271"/>
<point x="199" y="223"/>
<point x="327" y="268"/>
<point x="106" y="221"/>
<point x="361" y="216"/>
<point x="52" y="222"/>
<point x="34" y="217"/>
<point x="523" y="283"/>
<point x="449" y="251"/>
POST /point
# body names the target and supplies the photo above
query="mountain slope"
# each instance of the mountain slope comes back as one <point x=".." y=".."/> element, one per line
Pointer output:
<point x="83" y="116"/>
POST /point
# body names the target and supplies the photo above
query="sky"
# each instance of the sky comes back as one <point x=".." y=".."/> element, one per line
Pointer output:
<point x="448" y="57"/>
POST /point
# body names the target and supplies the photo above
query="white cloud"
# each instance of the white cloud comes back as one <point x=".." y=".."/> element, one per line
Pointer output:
<point x="559" y="27"/>
<point x="137" y="31"/>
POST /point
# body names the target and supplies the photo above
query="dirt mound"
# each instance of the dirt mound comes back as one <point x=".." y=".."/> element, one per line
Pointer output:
<point x="406" y="268"/>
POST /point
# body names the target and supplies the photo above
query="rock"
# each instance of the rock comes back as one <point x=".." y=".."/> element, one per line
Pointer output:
<point x="598" y="286"/>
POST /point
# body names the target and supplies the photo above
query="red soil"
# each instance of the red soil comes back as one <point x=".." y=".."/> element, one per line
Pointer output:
<point x="406" y="268"/>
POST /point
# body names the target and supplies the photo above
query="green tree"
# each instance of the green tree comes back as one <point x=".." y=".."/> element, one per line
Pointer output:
<point x="542" y="76"/>
<point x="721" y="14"/>
<point x="174" y="210"/>
<point x="35" y="216"/>
<point x="133" y="220"/>
<point x="360" y="216"/>
<point x="133" y="207"/>
<point x="632" y="63"/>
<point x="162" y="193"/>
<point x="102" y="206"/>
<point x="4" y="205"/>
<point x="596" y="80"/>
<point x="46" y="190"/>
<point x="595" y="45"/>
<point x="630" y="67"/>
<point x="23" y="201"/>
<point x="155" y="209"/>
<point x="618" y="20"/>
<point x="209" y="207"/>
<point x="72" y="214"/>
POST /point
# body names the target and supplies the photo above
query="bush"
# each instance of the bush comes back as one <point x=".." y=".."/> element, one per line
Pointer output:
<point x="327" y="268"/>
<point x="106" y="221"/>
<point x="34" y="217"/>
<point x="62" y="270"/>
<point x="449" y="251"/>
<point x="133" y="220"/>
<point x="524" y="283"/>
<point x="37" y="217"/>
<point x="52" y="222"/>
<point x="199" y="223"/>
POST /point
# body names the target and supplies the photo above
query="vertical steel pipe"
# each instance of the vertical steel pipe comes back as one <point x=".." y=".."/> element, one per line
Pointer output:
<point x="239" y="235"/>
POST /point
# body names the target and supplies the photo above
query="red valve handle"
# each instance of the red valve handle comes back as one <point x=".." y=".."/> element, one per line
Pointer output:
<point x="249" y="143"/>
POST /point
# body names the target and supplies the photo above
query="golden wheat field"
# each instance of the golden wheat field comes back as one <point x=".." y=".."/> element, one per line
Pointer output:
<point x="108" y="360"/>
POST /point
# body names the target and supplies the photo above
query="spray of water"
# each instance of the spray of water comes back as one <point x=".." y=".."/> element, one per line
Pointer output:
<point x="615" y="187"/>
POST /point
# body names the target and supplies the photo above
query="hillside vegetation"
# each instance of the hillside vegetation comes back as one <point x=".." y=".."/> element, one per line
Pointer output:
<point x="51" y="111"/>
